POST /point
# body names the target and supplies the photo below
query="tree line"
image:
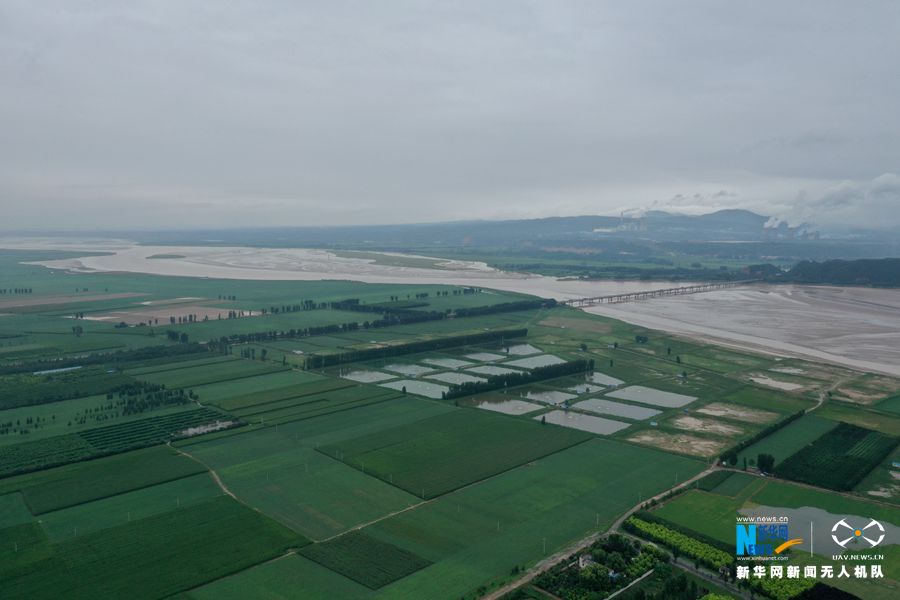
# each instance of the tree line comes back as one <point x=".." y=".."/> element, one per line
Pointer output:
<point x="318" y="361"/>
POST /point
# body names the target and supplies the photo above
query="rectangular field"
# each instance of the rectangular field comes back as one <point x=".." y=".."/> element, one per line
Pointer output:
<point x="583" y="422"/>
<point x="112" y="511"/>
<point x="478" y="533"/>
<point x="93" y="480"/>
<point x="839" y="459"/>
<point x="211" y="373"/>
<point x="437" y="455"/>
<point x="280" y="473"/>
<point x="645" y="395"/>
<point x="367" y="560"/>
<point x="157" y="556"/>
<point x="789" y="439"/>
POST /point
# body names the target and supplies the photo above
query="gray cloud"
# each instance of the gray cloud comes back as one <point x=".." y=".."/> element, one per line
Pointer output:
<point x="156" y="114"/>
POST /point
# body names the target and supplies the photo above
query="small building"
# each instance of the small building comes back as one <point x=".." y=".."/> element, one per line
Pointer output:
<point x="585" y="560"/>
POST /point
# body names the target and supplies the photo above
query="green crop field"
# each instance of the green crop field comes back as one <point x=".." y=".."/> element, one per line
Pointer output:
<point x="13" y="510"/>
<point x="369" y="561"/>
<point x="839" y="458"/>
<point x="281" y="474"/>
<point x="98" y="441"/>
<point x="216" y="393"/>
<point x="71" y="416"/>
<point x="154" y="557"/>
<point x="67" y="486"/>
<point x="314" y="385"/>
<point x="211" y="373"/>
<point x="112" y="511"/>
<point x="282" y="578"/>
<point x="181" y="364"/>
<point x="859" y="416"/>
<point x="432" y="457"/>
<point x="713" y="514"/>
<point x="789" y="439"/>
<point x="42" y="454"/>
<point x="344" y="489"/>
<point x="733" y="485"/>
<point x="482" y="531"/>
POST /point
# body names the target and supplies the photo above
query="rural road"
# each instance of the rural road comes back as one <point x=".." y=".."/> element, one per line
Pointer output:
<point x="553" y="560"/>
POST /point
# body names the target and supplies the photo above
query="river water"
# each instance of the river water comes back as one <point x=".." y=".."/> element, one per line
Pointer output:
<point x="854" y="327"/>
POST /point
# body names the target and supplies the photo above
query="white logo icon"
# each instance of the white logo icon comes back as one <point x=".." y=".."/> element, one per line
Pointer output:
<point x="837" y="532"/>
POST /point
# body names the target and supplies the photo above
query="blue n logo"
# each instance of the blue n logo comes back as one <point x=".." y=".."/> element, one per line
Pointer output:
<point x="745" y="539"/>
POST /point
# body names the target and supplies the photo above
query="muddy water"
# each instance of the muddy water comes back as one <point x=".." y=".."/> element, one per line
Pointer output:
<point x="855" y="327"/>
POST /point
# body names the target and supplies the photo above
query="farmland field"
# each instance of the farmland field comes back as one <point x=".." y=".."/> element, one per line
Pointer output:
<point x="789" y="439"/>
<point x="440" y="454"/>
<point x="187" y="547"/>
<point x="369" y="561"/>
<point x="282" y="475"/>
<point x="210" y="373"/>
<point x="111" y="511"/>
<point x="332" y="481"/>
<point x="68" y="486"/>
<point x="839" y="458"/>
<point x="287" y="577"/>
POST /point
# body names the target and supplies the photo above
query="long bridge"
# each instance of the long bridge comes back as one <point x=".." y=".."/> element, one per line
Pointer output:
<point x="675" y="291"/>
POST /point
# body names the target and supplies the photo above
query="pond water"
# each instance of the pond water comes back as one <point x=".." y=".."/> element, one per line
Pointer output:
<point x="484" y="356"/>
<point x="368" y="376"/>
<point x="456" y="378"/>
<point x="523" y="350"/>
<point x="602" y="379"/>
<point x="550" y="396"/>
<point x="585" y="388"/>
<point x="408" y="370"/>
<point x="492" y="370"/>
<point x="531" y="362"/>
<point x="617" y="409"/>
<point x="448" y="363"/>
<point x="509" y="407"/>
<point x="575" y="420"/>
<point x="420" y="388"/>
<point x="639" y="393"/>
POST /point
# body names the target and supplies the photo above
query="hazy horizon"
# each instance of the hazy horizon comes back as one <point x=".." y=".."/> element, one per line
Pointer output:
<point x="152" y="116"/>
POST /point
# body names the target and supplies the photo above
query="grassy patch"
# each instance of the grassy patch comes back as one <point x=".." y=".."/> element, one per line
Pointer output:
<point x="733" y="485"/>
<point x="281" y="474"/>
<point x="435" y="456"/>
<point x="292" y="575"/>
<point x="211" y="373"/>
<point x="157" y="556"/>
<point x="789" y="439"/>
<point x="369" y="561"/>
<point x="113" y="511"/>
<point x="107" y="477"/>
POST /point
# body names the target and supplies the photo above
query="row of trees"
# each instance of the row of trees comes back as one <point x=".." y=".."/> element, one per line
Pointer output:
<point x="143" y="355"/>
<point x="318" y="361"/>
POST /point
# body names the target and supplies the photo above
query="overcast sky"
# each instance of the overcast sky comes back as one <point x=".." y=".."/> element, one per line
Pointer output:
<point x="193" y="114"/>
